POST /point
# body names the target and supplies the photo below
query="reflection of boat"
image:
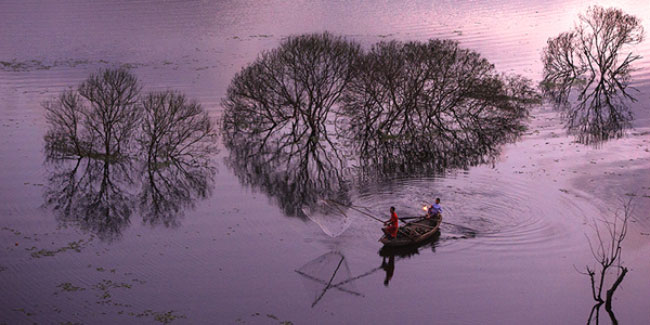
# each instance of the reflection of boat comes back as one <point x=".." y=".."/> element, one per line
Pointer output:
<point x="413" y="233"/>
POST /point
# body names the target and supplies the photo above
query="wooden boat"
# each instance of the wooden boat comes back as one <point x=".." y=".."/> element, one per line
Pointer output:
<point x="413" y="233"/>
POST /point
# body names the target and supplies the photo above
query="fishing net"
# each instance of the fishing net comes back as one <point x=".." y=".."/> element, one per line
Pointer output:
<point x="327" y="273"/>
<point x="329" y="217"/>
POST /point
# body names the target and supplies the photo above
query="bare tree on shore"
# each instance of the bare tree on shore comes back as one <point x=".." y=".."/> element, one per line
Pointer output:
<point x="587" y="73"/>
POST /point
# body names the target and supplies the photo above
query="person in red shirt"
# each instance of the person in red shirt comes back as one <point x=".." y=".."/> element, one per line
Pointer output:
<point x="391" y="225"/>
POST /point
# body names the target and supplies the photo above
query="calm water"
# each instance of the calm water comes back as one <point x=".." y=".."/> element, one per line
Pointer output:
<point x="517" y="228"/>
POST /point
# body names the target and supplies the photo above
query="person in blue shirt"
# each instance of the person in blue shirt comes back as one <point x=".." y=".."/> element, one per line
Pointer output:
<point x="435" y="210"/>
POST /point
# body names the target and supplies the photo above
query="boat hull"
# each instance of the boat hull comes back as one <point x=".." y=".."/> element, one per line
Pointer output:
<point x="413" y="233"/>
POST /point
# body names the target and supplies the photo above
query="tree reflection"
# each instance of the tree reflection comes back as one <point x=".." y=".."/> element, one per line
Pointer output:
<point x="306" y="120"/>
<point x="167" y="190"/>
<point x="93" y="194"/>
<point x="297" y="178"/>
<point x="587" y="73"/>
<point x="165" y="171"/>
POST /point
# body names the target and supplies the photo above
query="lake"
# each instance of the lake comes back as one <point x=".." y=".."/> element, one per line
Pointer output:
<point x="517" y="232"/>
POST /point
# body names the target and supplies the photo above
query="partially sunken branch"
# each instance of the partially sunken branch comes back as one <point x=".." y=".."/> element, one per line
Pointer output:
<point x="607" y="253"/>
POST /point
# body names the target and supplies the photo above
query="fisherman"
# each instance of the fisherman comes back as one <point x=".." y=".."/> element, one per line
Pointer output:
<point x="391" y="225"/>
<point x="435" y="210"/>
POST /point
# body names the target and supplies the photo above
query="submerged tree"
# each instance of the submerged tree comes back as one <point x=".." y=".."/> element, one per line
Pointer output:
<point x="177" y="137"/>
<point x="96" y="120"/>
<point x="97" y="124"/>
<point x="113" y="112"/>
<point x="433" y="103"/>
<point x="306" y="119"/>
<point x="587" y="73"/>
<point x="276" y="115"/>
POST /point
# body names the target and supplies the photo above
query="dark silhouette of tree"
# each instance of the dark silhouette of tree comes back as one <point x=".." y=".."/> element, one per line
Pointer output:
<point x="307" y="119"/>
<point x="178" y="138"/>
<point x="170" y="162"/>
<point x="113" y="113"/>
<point x="607" y="253"/>
<point x="287" y="94"/>
<point x="587" y="73"/>
<point x="96" y="120"/>
<point x="175" y="128"/>
<point x="276" y="115"/>
<point x="431" y="106"/>
<point x="64" y="115"/>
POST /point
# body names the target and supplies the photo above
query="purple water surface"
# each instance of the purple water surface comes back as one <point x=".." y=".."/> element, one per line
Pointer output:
<point x="232" y="257"/>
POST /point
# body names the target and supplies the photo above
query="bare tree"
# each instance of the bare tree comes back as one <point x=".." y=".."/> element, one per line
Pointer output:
<point x="113" y="113"/>
<point x="287" y="94"/>
<point x="175" y="128"/>
<point x="432" y="102"/>
<point x="178" y="138"/>
<point x="64" y="115"/>
<point x="276" y="118"/>
<point x="96" y="120"/>
<point x="587" y="73"/>
<point x="607" y="253"/>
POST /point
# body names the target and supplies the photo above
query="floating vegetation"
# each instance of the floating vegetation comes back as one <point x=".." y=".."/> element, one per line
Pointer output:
<point x="22" y="310"/>
<point x="14" y="231"/>
<point x="18" y="66"/>
<point x="271" y="316"/>
<point x="75" y="246"/>
<point x="104" y="288"/>
<point x="161" y="317"/>
<point x="69" y="287"/>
